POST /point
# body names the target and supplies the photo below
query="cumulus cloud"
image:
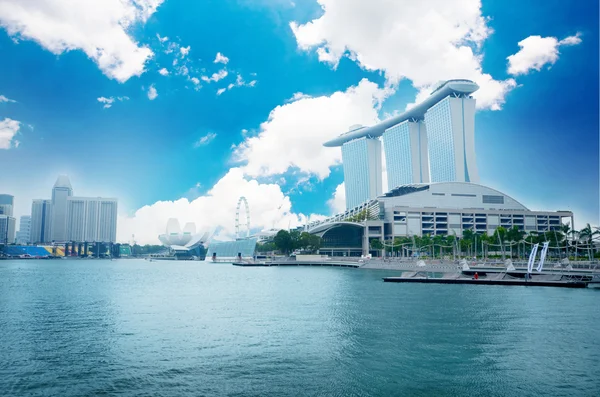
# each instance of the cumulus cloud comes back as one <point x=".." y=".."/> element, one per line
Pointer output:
<point x="164" y="72"/>
<point x="184" y="50"/>
<point x="152" y="93"/>
<point x="220" y="58"/>
<point x="425" y="41"/>
<point x="293" y="135"/>
<point x="337" y="203"/>
<point x="220" y="75"/>
<point x="205" y="140"/>
<point x="8" y="129"/>
<point x="108" y="102"/>
<point x="162" y="39"/>
<point x="195" y="80"/>
<point x="537" y="51"/>
<point x="239" y="82"/>
<point x="269" y="207"/>
<point x="97" y="27"/>
<point x="5" y="99"/>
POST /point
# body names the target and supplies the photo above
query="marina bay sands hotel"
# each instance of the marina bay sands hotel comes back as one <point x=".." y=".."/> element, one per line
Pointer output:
<point x="431" y="142"/>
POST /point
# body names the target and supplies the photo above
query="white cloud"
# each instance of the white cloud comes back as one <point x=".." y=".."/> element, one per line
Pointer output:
<point x="162" y="39"/>
<point x="239" y="82"/>
<point x="220" y="75"/>
<point x="537" y="51"/>
<point x="8" y="129"/>
<point x="97" y="27"/>
<point x="5" y="99"/>
<point x="152" y="93"/>
<point x="164" y="72"/>
<point x="298" y="96"/>
<point x="195" y="80"/>
<point x="293" y="135"/>
<point x="205" y="140"/>
<point x="220" y="58"/>
<point x="338" y="202"/>
<point x="425" y="41"/>
<point x="108" y="102"/>
<point x="184" y="50"/>
<point x="269" y="207"/>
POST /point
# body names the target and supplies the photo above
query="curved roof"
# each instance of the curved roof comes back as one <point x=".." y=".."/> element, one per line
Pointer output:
<point x="63" y="181"/>
<point x="461" y="190"/>
<point x="460" y="87"/>
<point x="326" y="226"/>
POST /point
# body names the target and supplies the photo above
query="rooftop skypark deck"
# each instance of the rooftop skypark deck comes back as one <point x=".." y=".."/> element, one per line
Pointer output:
<point x="458" y="88"/>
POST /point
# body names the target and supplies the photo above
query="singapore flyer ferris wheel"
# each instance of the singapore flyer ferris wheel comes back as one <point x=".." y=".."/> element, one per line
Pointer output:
<point x="239" y="225"/>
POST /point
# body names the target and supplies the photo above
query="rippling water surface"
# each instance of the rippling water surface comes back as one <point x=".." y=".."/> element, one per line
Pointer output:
<point x="130" y="327"/>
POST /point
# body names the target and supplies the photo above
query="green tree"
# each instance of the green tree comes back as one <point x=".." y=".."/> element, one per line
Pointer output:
<point x="310" y="242"/>
<point x="376" y="244"/>
<point x="587" y="234"/>
<point x="267" y="246"/>
<point x="283" y="241"/>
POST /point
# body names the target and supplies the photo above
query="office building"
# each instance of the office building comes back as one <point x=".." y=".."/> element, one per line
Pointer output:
<point x="362" y="170"/>
<point x="68" y="218"/>
<point x="24" y="232"/>
<point x="7" y="229"/>
<point x="406" y="157"/>
<point x="61" y="191"/>
<point x="6" y="204"/>
<point x="91" y="219"/>
<point x="451" y="143"/>
<point x="41" y="221"/>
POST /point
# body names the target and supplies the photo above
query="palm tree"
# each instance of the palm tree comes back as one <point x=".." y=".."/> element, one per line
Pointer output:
<point x="565" y="228"/>
<point x="587" y="234"/>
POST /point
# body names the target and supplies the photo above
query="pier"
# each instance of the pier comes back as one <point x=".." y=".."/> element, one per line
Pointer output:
<point x="529" y="283"/>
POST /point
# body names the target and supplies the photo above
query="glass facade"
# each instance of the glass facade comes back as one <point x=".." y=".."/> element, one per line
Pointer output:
<point x="441" y="142"/>
<point x="398" y="155"/>
<point x="231" y="249"/>
<point x="362" y="170"/>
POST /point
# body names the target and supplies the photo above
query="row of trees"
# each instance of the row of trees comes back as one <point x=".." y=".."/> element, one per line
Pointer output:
<point x="288" y="241"/>
<point x="507" y="242"/>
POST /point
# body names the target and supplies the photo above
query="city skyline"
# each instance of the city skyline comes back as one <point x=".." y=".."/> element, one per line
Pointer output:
<point x="186" y="131"/>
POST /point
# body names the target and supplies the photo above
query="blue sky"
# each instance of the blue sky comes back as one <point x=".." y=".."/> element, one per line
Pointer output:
<point x="536" y="130"/>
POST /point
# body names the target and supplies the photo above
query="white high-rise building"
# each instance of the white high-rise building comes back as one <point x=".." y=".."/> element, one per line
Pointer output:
<point x="24" y="230"/>
<point x="451" y="140"/>
<point x="41" y="221"/>
<point x="406" y="158"/>
<point x="7" y="229"/>
<point x="60" y="193"/>
<point x="6" y="204"/>
<point x="362" y="170"/>
<point x="92" y="219"/>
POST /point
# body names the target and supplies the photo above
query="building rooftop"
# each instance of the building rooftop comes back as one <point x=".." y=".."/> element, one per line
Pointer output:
<point x="459" y="87"/>
<point x="63" y="181"/>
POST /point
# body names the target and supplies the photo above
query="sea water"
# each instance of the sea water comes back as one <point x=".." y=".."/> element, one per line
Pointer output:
<point x="137" y="328"/>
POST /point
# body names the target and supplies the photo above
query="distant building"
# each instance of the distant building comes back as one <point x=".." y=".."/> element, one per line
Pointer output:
<point x="67" y="218"/>
<point x="24" y="232"/>
<point x="7" y="229"/>
<point x="91" y="219"/>
<point x="362" y="170"/>
<point x="6" y="204"/>
<point x="41" y="221"/>
<point x="61" y="191"/>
